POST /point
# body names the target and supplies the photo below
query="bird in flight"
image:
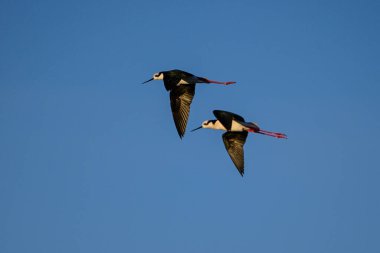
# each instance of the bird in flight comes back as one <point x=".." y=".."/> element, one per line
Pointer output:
<point x="236" y="134"/>
<point x="182" y="89"/>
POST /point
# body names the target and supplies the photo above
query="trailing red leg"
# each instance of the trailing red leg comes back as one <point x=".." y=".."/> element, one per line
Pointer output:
<point x="273" y="134"/>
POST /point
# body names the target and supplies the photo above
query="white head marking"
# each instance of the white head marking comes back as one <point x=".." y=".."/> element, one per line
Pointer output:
<point x="208" y="123"/>
<point x="158" y="76"/>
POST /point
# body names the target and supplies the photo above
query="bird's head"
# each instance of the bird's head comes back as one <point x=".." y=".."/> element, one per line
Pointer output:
<point x="206" y="124"/>
<point x="156" y="76"/>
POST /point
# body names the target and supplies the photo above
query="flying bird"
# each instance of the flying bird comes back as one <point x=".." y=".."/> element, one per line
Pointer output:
<point x="182" y="89"/>
<point x="236" y="134"/>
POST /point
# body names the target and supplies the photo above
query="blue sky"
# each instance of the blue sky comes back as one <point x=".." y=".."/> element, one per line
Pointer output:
<point x="90" y="160"/>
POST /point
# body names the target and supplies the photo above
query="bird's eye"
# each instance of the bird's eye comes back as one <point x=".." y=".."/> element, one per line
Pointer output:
<point x="157" y="75"/>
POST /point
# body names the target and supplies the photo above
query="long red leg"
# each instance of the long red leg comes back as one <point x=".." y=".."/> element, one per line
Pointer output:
<point x="273" y="134"/>
<point x="217" y="82"/>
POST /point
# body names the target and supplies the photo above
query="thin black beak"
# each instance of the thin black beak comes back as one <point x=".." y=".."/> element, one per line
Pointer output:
<point x="148" y="81"/>
<point x="196" y="129"/>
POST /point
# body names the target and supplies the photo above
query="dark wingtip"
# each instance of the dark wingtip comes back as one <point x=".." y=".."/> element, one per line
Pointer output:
<point x="181" y="135"/>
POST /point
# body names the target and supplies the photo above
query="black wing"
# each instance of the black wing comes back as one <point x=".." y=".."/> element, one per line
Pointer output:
<point x="180" y="101"/>
<point x="173" y="77"/>
<point x="226" y="118"/>
<point x="234" y="142"/>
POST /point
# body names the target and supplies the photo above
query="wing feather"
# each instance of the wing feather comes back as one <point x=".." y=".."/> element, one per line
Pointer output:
<point x="234" y="142"/>
<point x="180" y="101"/>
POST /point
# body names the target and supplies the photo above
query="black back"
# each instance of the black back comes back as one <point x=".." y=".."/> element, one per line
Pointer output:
<point x="226" y="118"/>
<point x="173" y="77"/>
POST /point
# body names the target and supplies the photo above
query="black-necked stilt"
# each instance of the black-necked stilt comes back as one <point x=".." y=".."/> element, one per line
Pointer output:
<point x="182" y="89"/>
<point x="236" y="135"/>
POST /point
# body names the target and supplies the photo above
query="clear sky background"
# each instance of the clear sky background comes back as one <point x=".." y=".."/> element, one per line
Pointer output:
<point x="90" y="160"/>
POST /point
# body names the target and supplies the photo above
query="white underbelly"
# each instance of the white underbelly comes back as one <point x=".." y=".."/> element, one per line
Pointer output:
<point x="237" y="127"/>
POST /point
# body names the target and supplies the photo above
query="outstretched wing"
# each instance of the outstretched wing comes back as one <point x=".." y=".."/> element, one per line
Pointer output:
<point x="234" y="142"/>
<point x="226" y="118"/>
<point x="180" y="101"/>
